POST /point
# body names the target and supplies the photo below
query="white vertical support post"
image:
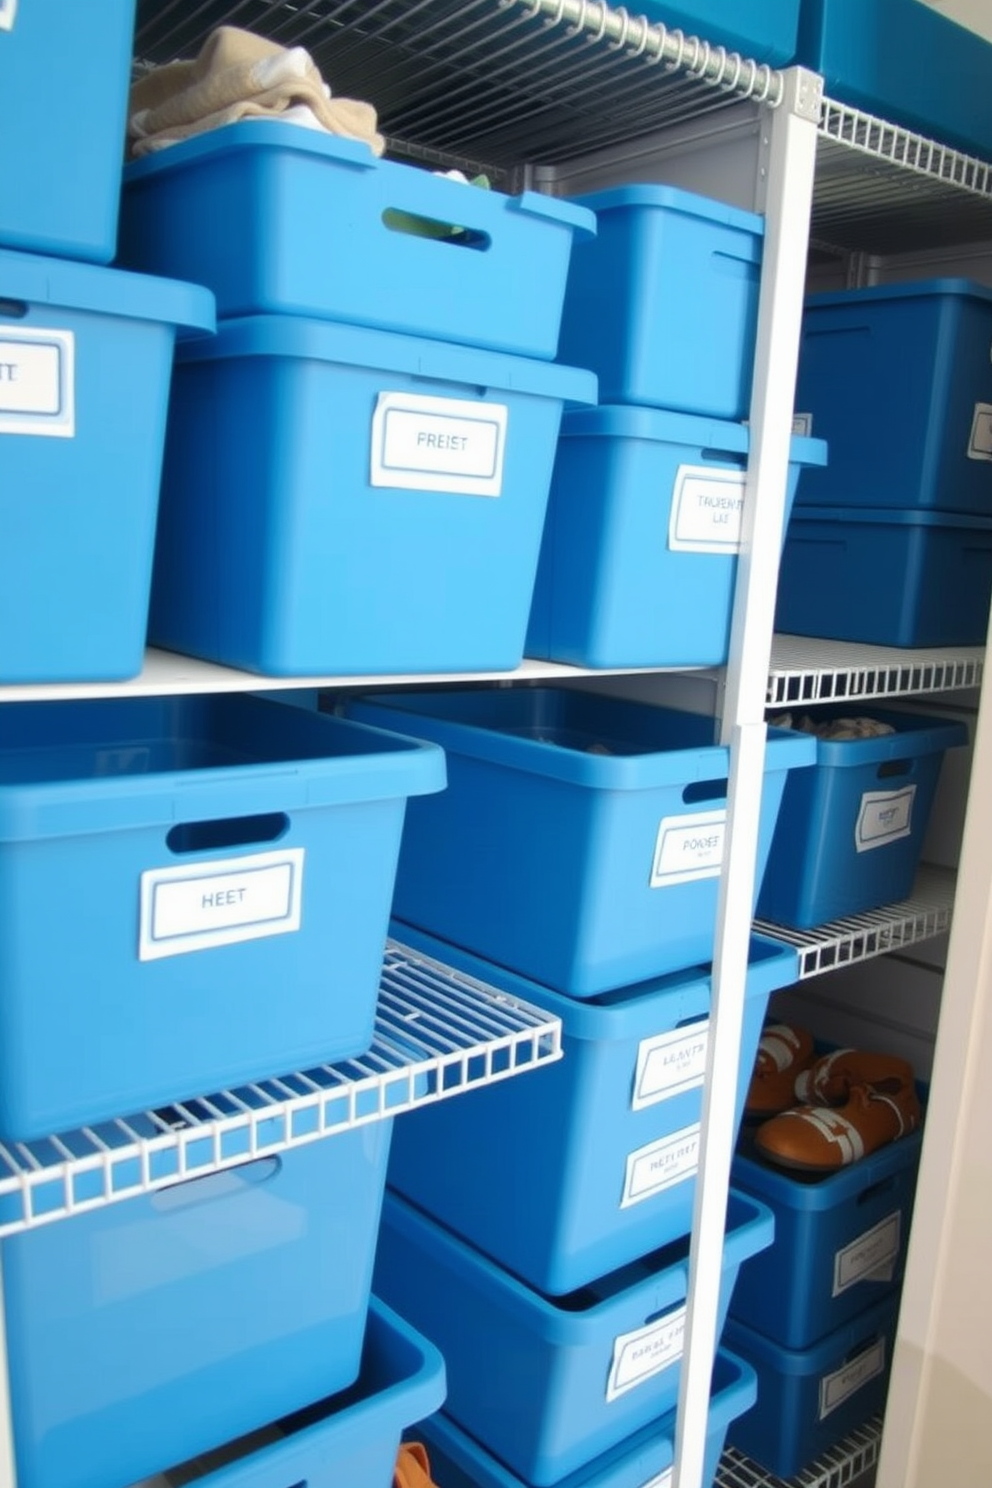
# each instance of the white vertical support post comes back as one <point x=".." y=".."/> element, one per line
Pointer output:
<point x="791" y="139"/>
<point x="7" y="1475"/>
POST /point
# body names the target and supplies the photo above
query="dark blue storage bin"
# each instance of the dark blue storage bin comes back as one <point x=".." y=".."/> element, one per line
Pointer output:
<point x="643" y="1461"/>
<point x="339" y="500"/>
<point x="639" y="556"/>
<point x="580" y="839"/>
<point x="85" y="363"/>
<point x="764" y="30"/>
<point x="888" y="578"/>
<point x="597" y="1150"/>
<point x="663" y="303"/>
<point x="193" y="891"/>
<point x="65" y="69"/>
<point x="810" y="1399"/>
<point x="151" y="1330"/>
<point x="840" y="1242"/>
<point x="850" y="831"/>
<point x="898" y="380"/>
<point x="905" y="61"/>
<point x="275" y="218"/>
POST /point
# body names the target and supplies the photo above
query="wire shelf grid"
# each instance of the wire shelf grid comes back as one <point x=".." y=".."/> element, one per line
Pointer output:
<point x="841" y="1467"/>
<point x="805" y="670"/>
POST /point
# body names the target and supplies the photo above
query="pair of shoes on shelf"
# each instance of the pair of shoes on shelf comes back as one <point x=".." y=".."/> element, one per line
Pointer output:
<point x="851" y="1102"/>
<point x="413" y="1470"/>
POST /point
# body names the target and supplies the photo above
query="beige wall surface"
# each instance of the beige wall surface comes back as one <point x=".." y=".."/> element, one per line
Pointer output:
<point x="977" y="14"/>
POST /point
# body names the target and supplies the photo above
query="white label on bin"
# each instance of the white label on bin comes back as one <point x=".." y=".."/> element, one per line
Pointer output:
<point x="871" y="1257"/>
<point x="663" y="1480"/>
<point x="707" y="506"/>
<point x="670" y="1063"/>
<point x="8" y="10"/>
<point x="37" y="382"/>
<point x="199" y="905"/>
<point x="885" y="816"/>
<point x="843" y="1383"/>
<point x="688" y="847"/>
<point x="640" y="1355"/>
<point x="660" y="1165"/>
<point x="980" y="441"/>
<point x="802" y="423"/>
<point x="438" y="444"/>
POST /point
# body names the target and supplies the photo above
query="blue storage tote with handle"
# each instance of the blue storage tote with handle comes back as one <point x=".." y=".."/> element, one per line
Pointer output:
<point x="764" y="30"/>
<point x="85" y="363"/>
<point x="663" y="303"/>
<point x="850" y="831"/>
<point x="195" y="893"/>
<point x="810" y="1399"/>
<point x="840" y="1241"/>
<point x="547" y="1386"/>
<point x="898" y="380"/>
<point x="65" y="70"/>
<point x="580" y="839"/>
<point x="887" y="578"/>
<point x="339" y="500"/>
<point x="147" y="1331"/>
<point x="276" y="218"/>
<point x="599" y="1149"/>
<point x="905" y="61"/>
<point x="348" y="1441"/>
<point x="640" y="546"/>
<point x="644" y="1460"/>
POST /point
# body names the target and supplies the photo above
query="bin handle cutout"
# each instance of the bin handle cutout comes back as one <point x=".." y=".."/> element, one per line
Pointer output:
<point x="13" y="309"/>
<point x="233" y="831"/>
<point x="705" y="790"/>
<point x="414" y="225"/>
<point x="889" y="769"/>
<point x="862" y="1347"/>
<point x="874" y="1190"/>
<point x="211" y="1186"/>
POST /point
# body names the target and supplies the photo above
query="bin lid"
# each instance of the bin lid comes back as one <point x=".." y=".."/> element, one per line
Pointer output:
<point x="674" y="199"/>
<point x="76" y="286"/>
<point x="631" y="421"/>
<point x="913" y="289"/>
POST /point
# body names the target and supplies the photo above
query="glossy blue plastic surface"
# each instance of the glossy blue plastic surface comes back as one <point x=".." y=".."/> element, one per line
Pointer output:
<point x="763" y="30"/>
<point x="459" y="1462"/>
<point x="95" y="794"/>
<point x="663" y="303"/>
<point x="596" y="1149"/>
<point x="561" y="809"/>
<point x="810" y="1399"/>
<point x="639" y="556"/>
<point x="60" y="165"/>
<point x="898" y="380"/>
<point x="530" y="1378"/>
<point x="80" y="469"/>
<point x="276" y="218"/>
<point x="276" y="553"/>
<point x="146" y="1332"/>
<point x="850" y="831"/>
<point x="905" y="61"/>
<point x="840" y="1242"/>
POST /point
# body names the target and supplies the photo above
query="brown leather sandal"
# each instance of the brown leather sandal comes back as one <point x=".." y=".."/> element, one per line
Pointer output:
<point x="875" y="1102"/>
<point x="783" y="1052"/>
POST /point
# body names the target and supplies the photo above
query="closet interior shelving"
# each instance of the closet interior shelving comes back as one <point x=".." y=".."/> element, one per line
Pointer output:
<point x="564" y="95"/>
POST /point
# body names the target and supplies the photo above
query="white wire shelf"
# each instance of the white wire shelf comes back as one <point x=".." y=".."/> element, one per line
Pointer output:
<point x="438" y="1033"/>
<point x="842" y="1466"/>
<point x="806" y="670"/>
<point x="861" y="937"/>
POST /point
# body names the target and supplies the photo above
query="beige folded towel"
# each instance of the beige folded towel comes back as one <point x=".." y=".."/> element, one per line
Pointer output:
<point x="238" y="75"/>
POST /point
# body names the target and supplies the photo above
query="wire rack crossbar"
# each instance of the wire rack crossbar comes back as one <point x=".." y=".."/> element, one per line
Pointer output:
<point x="841" y="1467"/>
<point x="438" y="1032"/>
<point x="805" y="670"/>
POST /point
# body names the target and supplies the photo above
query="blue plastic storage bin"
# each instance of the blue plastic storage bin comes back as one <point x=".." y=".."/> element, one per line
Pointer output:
<point x="85" y="363"/>
<point x="840" y="1242"/>
<point x="597" y="1150"/>
<point x="276" y="218"/>
<point x="663" y="303"/>
<point x="810" y="1399"/>
<point x="905" y="61"/>
<point x="639" y="555"/>
<point x="643" y="1461"/>
<point x="145" y="1332"/>
<point x="546" y="1386"/>
<point x="850" y="831"/>
<point x="898" y="380"/>
<point x="350" y="1441"/>
<point x="580" y="839"/>
<point x="764" y="30"/>
<point x="65" y="70"/>
<point x="888" y="578"/>
<point x="339" y="500"/>
<point x="193" y="891"/>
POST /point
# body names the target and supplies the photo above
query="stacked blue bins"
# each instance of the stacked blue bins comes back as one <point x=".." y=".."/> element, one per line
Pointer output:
<point x="397" y="371"/>
<point x="644" y="523"/>
<point x="563" y="1330"/>
<point x="892" y="543"/>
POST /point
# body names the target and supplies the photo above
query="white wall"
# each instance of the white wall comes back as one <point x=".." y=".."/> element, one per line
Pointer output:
<point x="974" y="13"/>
